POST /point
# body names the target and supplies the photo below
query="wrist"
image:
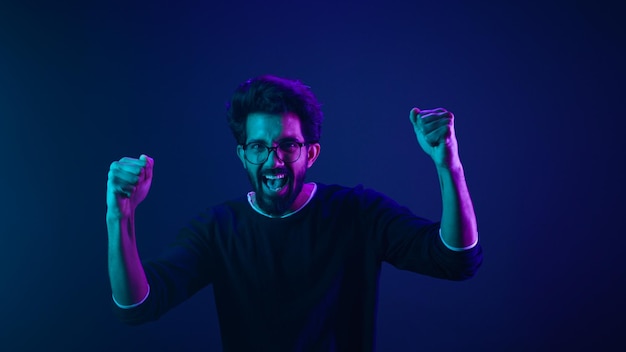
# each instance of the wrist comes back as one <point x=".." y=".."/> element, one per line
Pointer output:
<point x="120" y="228"/>
<point x="454" y="167"/>
<point x="116" y="217"/>
<point x="117" y="211"/>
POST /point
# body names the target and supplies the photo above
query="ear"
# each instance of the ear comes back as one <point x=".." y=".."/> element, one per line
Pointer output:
<point x="240" y="154"/>
<point x="312" y="152"/>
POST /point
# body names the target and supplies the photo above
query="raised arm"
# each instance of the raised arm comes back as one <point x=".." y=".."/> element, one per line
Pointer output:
<point x="435" y="133"/>
<point x="128" y="185"/>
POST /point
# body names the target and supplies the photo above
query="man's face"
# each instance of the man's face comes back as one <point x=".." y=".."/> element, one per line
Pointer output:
<point x="277" y="184"/>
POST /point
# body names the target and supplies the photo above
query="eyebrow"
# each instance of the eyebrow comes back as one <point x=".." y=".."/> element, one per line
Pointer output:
<point x="286" y="139"/>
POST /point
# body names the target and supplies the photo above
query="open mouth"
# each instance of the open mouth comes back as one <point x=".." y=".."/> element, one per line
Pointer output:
<point x="275" y="183"/>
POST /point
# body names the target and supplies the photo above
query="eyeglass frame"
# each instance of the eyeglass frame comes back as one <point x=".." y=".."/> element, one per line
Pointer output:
<point x="275" y="150"/>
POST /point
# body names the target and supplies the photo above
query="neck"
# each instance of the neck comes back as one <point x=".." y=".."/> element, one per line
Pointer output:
<point x="301" y="200"/>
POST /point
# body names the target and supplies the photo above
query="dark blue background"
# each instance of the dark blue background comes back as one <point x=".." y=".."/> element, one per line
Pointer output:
<point x="537" y="91"/>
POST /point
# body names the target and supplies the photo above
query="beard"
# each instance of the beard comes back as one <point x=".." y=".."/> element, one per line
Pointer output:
<point x="279" y="203"/>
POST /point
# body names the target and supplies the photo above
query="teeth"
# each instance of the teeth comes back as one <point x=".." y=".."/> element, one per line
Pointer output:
<point x="275" y="182"/>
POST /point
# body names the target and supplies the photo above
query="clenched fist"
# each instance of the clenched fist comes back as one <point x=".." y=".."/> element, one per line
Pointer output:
<point x="435" y="133"/>
<point x="128" y="184"/>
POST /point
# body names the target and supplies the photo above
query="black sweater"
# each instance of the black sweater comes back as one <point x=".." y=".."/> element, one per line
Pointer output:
<point x="307" y="282"/>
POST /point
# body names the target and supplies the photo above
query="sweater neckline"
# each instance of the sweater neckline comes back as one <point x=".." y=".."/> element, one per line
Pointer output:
<point x="251" y="197"/>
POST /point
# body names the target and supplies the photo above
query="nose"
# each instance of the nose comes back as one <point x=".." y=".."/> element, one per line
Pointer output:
<point x="273" y="159"/>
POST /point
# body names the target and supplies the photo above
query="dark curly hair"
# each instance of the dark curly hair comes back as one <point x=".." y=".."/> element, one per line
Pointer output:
<point x="274" y="95"/>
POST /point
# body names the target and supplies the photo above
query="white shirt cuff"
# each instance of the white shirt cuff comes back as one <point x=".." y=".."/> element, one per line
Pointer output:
<point x="132" y="305"/>
<point x="457" y="249"/>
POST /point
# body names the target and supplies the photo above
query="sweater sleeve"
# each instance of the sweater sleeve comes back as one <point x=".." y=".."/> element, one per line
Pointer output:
<point x="182" y="270"/>
<point x="412" y="243"/>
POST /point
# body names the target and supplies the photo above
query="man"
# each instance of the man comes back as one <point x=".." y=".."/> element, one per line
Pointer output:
<point x="294" y="265"/>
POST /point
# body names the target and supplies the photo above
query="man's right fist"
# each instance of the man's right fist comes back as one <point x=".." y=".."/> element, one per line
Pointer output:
<point x="128" y="184"/>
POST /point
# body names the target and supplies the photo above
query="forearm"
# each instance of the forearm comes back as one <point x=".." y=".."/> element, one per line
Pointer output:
<point x="128" y="279"/>
<point x="458" y="220"/>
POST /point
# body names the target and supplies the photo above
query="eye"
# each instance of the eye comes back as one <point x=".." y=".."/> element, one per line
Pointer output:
<point x="289" y="147"/>
<point x="256" y="147"/>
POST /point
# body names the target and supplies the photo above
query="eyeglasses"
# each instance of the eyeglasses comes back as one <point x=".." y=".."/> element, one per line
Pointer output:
<point x="287" y="151"/>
